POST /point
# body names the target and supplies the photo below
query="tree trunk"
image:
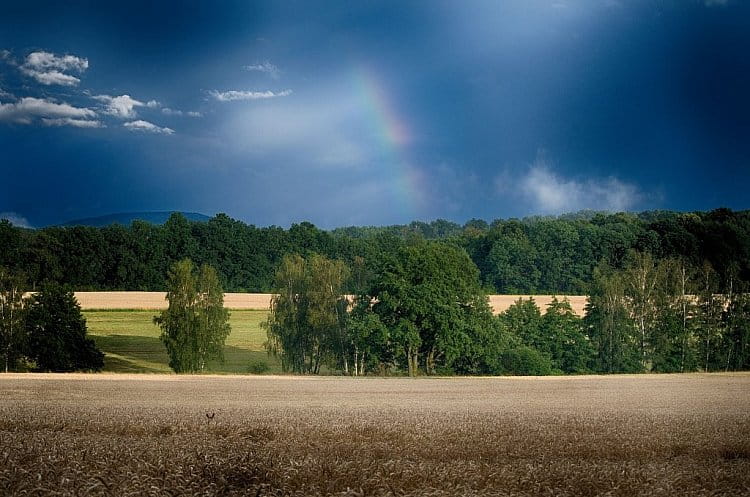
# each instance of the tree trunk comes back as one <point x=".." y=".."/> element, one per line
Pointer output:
<point x="413" y="359"/>
<point x="708" y="344"/>
<point x="430" y="362"/>
<point x="683" y="303"/>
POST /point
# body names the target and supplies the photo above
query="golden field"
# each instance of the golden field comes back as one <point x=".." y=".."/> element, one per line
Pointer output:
<point x="157" y="300"/>
<point x="106" y="434"/>
<point x="261" y="301"/>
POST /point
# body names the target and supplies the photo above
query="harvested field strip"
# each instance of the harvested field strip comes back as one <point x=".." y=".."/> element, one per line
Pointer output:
<point x="261" y="301"/>
<point x="157" y="300"/>
<point x="616" y="435"/>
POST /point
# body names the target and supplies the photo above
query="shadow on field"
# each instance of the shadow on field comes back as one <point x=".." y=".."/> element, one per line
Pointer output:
<point x="238" y="360"/>
<point x="140" y="354"/>
<point x="120" y="365"/>
<point x="132" y="353"/>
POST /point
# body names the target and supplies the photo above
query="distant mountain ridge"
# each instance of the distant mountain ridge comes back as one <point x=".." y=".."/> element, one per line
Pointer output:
<point x="126" y="218"/>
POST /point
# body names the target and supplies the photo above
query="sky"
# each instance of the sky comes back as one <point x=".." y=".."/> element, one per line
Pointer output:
<point x="372" y="112"/>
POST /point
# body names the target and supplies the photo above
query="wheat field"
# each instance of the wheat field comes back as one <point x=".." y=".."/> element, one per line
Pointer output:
<point x="81" y="434"/>
<point x="262" y="301"/>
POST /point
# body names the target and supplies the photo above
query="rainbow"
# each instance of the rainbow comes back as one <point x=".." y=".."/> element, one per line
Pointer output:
<point x="393" y="135"/>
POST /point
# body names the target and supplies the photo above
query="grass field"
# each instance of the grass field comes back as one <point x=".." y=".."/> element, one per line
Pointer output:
<point x="131" y="342"/>
<point x="149" y="435"/>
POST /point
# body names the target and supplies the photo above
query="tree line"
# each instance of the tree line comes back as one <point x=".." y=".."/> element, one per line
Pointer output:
<point x="667" y="292"/>
<point x="420" y="311"/>
<point x="541" y="255"/>
<point x="424" y="311"/>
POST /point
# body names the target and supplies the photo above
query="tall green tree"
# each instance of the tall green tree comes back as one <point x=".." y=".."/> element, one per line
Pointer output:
<point x="213" y="319"/>
<point x="429" y="297"/>
<point x="327" y="309"/>
<point x="710" y="308"/>
<point x="684" y="278"/>
<point x="609" y="325"/>
<point x="672" y="340"/>
<point x="195" y="325"/>
<point x="367" y="336"/>
<point x="643" y="278"/>
<point x="12" y="332"/>
<point x="524" y="320"/>
<point x="563" y="338"/>
<point x="285" y="327"/>
<point x="306" y="325"/>
<point x="737" y="326"/>
<point x="56" y="331"/>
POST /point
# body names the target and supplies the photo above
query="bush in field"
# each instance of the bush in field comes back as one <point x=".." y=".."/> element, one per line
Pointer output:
<point x="258" y="367"/>
<point x="525" y="361"/>
<point x="57" y="333"/>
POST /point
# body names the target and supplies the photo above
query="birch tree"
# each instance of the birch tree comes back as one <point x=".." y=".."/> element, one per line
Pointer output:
<point x="307" y="326"/>
<point x="195" y="325"/>
<point x="642" y="280"/>
<point x="12" y="334"/>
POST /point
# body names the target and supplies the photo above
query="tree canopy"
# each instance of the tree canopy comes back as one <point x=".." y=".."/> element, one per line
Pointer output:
<point x="305" y="325"/>
<point x="535" y="255"/>
<point x="195" y="325"/>
<point x="56" y="330"/>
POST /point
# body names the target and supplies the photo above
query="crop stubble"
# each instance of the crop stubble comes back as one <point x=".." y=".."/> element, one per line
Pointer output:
<point x="149" y="435"/>
<point x="262" y="301"/>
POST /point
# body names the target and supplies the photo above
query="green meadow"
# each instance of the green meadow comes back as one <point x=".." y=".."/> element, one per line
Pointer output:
<point x="130" y="342"/>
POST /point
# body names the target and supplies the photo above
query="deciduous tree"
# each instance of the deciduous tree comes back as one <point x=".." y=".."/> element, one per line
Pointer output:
<point x="12" y="332"/>
<point x="430" y="298"/>
<point x="195" y="325"/>
<point x="609" y="325"/>
<point x="306" y="325"/>
<point x="56" y="330"/>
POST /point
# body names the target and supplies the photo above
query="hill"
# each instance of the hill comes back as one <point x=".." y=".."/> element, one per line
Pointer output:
<point x="126" y="218"/>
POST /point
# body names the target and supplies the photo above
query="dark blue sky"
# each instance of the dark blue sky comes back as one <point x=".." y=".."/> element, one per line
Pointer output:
<point x="373" y="113"/>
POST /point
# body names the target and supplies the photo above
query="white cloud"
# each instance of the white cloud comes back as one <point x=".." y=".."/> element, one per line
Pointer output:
<point x="122" y="106"/>
<point x="152" y="104"/>
<point x="29" y="108"/>
<point x="5" y="94"/>
<point x="175" y="112"/>
<point x="54" y="78"/>
<point x="15" y="219"/>
<point x="550" y="193"/>
<point x="69" y="121"/>
<point x="148" y="127"/>
<point x="264" y="67"/>
<point x="228" y="96"/>
<point x="50" y="69"/>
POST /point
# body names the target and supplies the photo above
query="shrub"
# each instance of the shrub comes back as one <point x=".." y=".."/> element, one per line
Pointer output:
<point x="527" y="361"/>
<point x="258" y="367"/>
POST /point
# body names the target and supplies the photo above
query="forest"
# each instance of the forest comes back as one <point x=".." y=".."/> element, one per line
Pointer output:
<point x="535" y="255"/>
